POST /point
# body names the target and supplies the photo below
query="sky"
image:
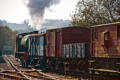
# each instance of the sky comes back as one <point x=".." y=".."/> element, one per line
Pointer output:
<point x="15" y="11"/>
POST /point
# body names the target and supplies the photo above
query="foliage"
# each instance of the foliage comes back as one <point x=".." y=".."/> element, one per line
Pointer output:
<point x="94" y="12"/>
<point x="7" y="37"/>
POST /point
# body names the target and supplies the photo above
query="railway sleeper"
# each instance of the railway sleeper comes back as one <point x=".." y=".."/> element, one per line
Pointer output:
<point x="4" y="75"/>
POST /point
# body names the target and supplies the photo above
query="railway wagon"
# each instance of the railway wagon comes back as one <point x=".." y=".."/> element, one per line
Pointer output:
<point x="63" y="49"/>
<point x="105" y="46"/>
<point x="67" y="49"/>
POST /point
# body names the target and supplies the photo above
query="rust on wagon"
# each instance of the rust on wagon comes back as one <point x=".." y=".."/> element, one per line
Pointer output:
<point x="105" y="40"/>
<point x="56" y="38"/>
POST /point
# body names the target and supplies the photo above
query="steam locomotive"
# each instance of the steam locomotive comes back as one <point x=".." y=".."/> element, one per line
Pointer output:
<point x="75" y="49"/>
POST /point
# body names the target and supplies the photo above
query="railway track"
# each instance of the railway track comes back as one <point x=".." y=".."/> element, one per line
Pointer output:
<point x="19" y="73"/>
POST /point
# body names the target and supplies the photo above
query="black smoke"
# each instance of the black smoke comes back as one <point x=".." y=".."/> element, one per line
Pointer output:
<point x="37" y="9"/>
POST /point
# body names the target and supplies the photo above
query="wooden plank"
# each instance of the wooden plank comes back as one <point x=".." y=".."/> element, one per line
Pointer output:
<point x="104" y="70"/>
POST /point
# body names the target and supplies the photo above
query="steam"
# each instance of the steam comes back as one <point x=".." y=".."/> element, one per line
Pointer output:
<point x="37" y="10"/>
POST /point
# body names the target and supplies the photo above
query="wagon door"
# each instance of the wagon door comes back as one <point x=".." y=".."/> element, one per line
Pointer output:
<point x="51" y="40"/>
<point x="105" y="41"/>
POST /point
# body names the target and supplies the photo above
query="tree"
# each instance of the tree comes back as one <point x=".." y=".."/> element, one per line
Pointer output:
<point x="0" y="22"/>
<point x="7" y="38"/>
<point x="94" y="12"/>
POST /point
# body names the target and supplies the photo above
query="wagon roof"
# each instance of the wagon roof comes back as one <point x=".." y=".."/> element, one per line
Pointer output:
<point x="68" y="27"/>
<point x="106" y="24"/>
<point x="37" y="35"/>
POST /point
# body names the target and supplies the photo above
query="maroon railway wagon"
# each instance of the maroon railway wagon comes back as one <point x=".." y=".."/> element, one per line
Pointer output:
<point x="63" y="49"/>
<point x="105" y="46"/>
<point x="68" y="48"/>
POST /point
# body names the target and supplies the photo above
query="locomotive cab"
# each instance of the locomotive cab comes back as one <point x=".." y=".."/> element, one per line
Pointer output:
<point x="34" y="45"/>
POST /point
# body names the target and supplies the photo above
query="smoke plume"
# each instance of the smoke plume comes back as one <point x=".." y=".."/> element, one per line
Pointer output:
<point x="37" y="9"/>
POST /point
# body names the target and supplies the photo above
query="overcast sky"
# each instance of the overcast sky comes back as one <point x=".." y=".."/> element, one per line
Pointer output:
<point x="16" y="11"/>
